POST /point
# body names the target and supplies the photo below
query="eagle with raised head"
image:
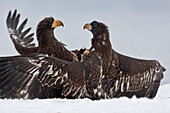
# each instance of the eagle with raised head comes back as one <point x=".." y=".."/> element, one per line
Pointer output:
<point x="122" y="75"/>
<point x="47" y="43"/>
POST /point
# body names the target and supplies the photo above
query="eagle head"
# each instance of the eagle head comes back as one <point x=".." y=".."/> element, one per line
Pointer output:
<point x="96" y="27"/>
<point x="49" y="23"/>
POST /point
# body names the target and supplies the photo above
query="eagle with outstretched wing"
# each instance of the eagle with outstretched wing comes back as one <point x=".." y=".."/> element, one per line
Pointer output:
<point x="47" y="43"/>
<point x="122" y="75"/>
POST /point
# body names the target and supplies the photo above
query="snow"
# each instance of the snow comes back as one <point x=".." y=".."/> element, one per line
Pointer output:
<point x="160" y="104"/>
<point x="137" y="28"/>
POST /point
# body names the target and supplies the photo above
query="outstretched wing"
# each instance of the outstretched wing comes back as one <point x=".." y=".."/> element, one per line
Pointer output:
<point x="40" y="76"/>
<point x="138" y="77"/>
<point x="22" y="40"/>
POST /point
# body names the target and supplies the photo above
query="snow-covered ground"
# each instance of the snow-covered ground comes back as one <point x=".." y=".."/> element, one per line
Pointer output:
<point x="138" y="28"/>
<point x="160" y="104"/>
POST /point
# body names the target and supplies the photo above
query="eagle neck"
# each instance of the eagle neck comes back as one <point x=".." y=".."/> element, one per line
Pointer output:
<point x="48" y="44"/>
<point x="44" y="36"/>
<point x="102" y="46"/>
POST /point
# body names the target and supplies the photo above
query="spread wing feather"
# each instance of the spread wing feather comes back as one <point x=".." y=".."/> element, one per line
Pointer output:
<point x="22" y="40"/>
<point x="138" y="77"/>
<point x="39" y="76"/>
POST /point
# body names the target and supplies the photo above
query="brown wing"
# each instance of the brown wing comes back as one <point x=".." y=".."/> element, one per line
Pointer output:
<point x="138" y="77"/>
<point x="39" y="76"/>
<point x="21" y="39"/>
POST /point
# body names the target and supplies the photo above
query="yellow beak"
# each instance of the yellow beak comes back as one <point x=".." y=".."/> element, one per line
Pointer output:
<point x="57" y="23"/>
<point x="87" y="26"/>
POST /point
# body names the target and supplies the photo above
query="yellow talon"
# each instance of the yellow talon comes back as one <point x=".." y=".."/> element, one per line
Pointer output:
<point x="86" y="52"/>
<point x="75" y="57"/>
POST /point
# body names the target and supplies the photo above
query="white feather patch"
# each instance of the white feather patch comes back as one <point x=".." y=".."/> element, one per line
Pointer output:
<point x="95" y="91"/>
<point x="103" y="43"/>
<point x="69" y="91"/>
<point x="62" y="80"/>
<point x="11" y="31"/>
<point x="99" y="94"/>
<point x="128" y="83"/>
<point x="116" y="85"/>
<point x="50" y="71"/>
<point x="34" y="62"/>
<point x="122" y="87"/>
<point x="76" y="91"/>
<point x="81" y="92"/>
<point x="65" y="75"/>
<point x="55" y="74"/>
<point x="26" y="96"/>
<point x="57" y="79"/>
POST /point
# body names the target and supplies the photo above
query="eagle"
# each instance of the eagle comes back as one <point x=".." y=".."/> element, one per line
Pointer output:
<point x="124" y="76"/>
<point x="47" y="43"/>
<point x="104" y="74"/>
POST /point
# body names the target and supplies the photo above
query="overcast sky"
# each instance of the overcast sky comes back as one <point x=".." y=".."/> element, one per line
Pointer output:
<point x="138" y="28"/>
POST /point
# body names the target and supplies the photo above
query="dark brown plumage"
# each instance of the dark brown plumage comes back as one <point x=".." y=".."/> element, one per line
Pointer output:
<point x="47" y="43"/>
<point x="105" y="74"/>
<point x="40" y="76"/>
<point x="122" y="75"/>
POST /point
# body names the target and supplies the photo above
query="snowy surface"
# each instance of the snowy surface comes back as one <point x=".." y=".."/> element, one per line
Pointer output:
<point x="160" y="104"/>
<point x="137" y="29"/>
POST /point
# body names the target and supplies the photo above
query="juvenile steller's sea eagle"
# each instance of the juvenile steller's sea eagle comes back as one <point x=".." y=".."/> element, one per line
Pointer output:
<point x="47" y="43"/>
<point x="123" y="75"/>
